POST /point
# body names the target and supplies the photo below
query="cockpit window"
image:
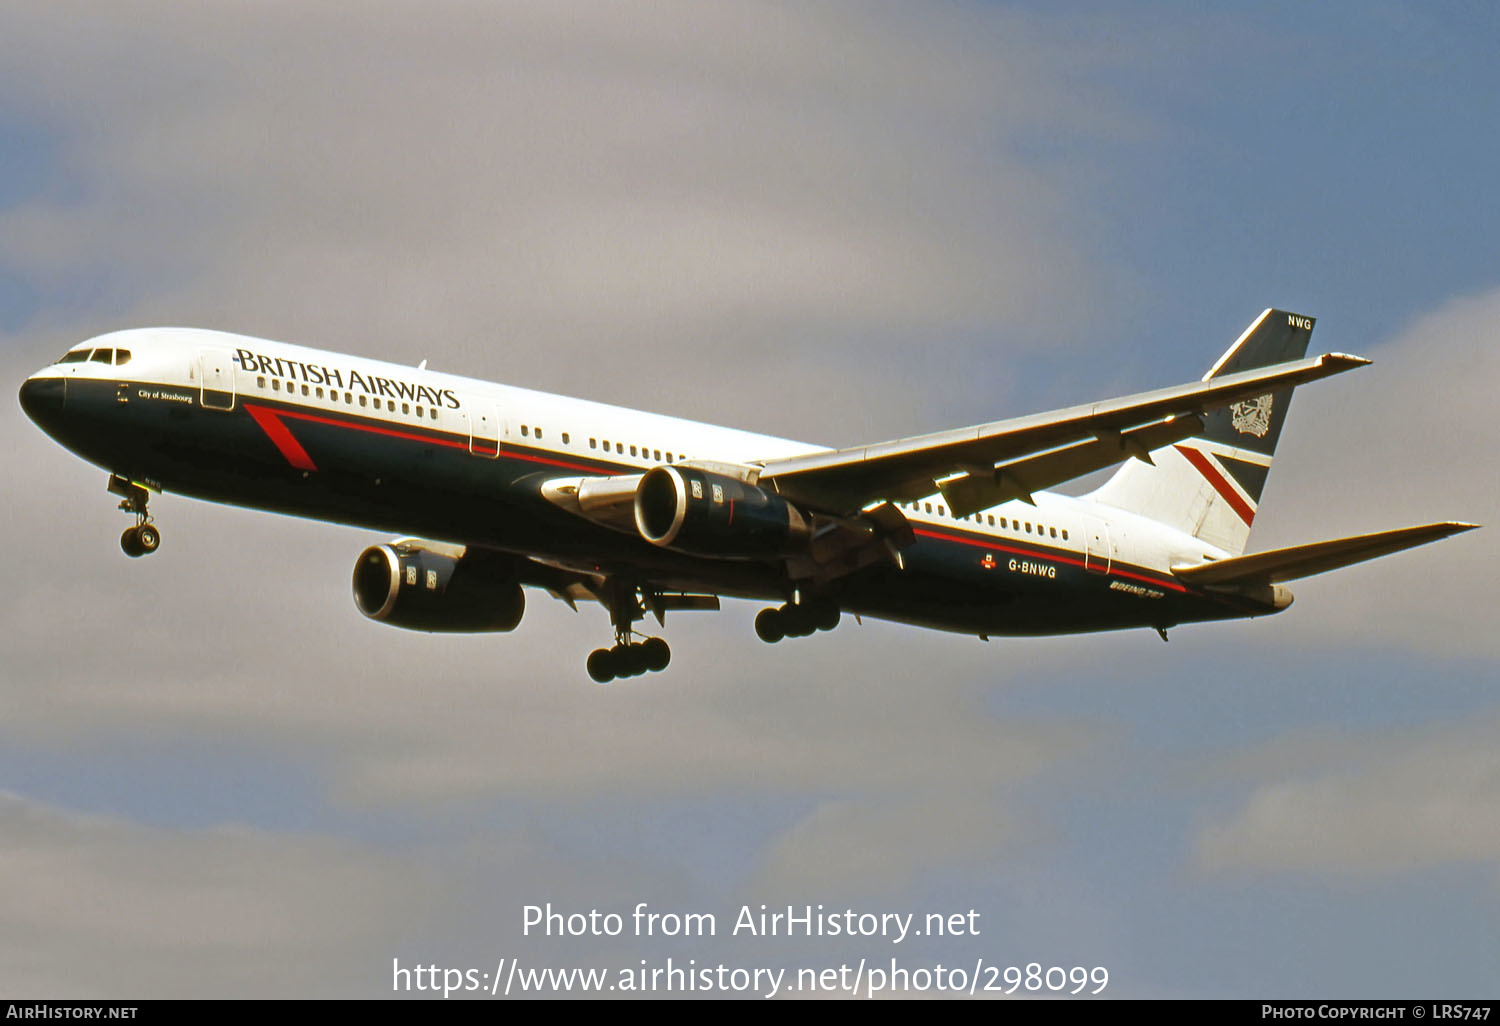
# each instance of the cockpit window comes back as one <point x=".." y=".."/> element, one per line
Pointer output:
<point x="102" y="355"/>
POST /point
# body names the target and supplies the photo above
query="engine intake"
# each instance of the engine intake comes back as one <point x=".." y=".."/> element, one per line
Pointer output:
<point x="708" y="514"/>
<point x="426" y="590"/>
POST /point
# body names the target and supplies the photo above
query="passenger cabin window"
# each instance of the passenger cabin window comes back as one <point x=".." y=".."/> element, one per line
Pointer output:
<point x="593" y="443"/>
<point x="364" y="400"/>
<point x="1065" y="534"/>
<point x="565" y="438"/>
<point x="406" y="407"/>
<point x="992" y="519"/>
<point x="525" y="431"/>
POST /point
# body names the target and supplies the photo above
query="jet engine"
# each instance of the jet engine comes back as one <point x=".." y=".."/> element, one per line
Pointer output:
<point x="707" y="514"/>
<point x="430" y="589"/>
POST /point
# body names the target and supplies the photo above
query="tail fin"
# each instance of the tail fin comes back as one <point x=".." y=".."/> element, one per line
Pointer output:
<point x="1210" y="485"/>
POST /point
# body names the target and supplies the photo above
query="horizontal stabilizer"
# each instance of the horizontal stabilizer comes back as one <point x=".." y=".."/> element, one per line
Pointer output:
<point x="1319" y="557"/>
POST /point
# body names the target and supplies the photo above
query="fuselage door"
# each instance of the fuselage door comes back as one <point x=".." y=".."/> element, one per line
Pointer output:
<point x="1098" y="552"/>
<point x="484" y="431"/>
<point x="216" y="380"/>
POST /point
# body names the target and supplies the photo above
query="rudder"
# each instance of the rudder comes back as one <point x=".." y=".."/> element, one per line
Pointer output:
<point x="1210" y="485"/>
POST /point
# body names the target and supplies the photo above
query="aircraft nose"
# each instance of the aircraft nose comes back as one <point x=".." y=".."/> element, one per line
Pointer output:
<point x="42" y="399"/>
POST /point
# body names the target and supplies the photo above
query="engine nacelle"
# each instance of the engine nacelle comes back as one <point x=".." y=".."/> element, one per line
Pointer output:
<point x="708" y="514"/>
<point x="424" y="589"/>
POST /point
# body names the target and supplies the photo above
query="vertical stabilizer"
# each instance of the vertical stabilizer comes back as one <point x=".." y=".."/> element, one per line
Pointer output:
<point x="1210" y="485"/>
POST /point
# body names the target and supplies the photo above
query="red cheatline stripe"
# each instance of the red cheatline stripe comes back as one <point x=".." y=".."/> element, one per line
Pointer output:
<point x="1223" y="487"/>
<point x="373" y="430"/>
<point x="992" y="546"/>
<point x="278" y="433"/>
<point x="262" y="414"/>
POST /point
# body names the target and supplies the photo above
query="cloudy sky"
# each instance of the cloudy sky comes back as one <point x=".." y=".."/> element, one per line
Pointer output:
<point x="839" y="222"/>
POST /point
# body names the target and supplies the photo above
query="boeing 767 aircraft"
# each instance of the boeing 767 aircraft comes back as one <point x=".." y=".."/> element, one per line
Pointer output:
<point x="493" y="488"/>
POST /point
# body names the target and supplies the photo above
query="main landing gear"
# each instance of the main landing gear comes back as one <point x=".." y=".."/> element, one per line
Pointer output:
<point x="796" y="621"/>
<point x="144" y="538"/>
<point x="627" y="658"/>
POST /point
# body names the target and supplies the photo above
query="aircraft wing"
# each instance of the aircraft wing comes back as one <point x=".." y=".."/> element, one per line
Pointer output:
<point x="981" y="466"/>
<point x="1305" y="560"/>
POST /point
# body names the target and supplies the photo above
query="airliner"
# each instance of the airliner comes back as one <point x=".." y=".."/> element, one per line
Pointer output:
<point x="491" y="489"/>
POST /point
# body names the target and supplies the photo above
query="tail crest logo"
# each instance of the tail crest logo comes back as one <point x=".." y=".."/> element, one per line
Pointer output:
<point x="1252" y="417"/>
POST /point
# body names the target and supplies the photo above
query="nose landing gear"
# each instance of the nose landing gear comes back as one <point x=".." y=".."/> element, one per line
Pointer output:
<point x="141" y="540"/>
<point x="144" y="538"/>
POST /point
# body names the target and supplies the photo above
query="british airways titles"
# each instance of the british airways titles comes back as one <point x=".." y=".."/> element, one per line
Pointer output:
<point x="319" y="374"/>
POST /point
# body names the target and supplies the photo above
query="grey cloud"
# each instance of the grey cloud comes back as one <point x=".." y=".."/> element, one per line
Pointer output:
<point x="647" y="203"/>
<point x="882" y="843"/>
<point x="1408" y="440"/>
<point x="790" y="218"/>
<point x="95" y="906"/>
<point x="665" y="206"/>
<point x="1364" y="806"/>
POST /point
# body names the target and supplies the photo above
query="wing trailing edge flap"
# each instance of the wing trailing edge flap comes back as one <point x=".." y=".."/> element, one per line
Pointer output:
<point x="573" y="586"/>
<point x="1052" y="443"/>
<point x="1277" y="565"/>
<point x="657" y="603"/>
<point x="971" y="491"/>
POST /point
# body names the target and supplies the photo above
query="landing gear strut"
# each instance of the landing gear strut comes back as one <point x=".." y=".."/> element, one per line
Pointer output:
<point x="628" y="658"/>
<point x="796" y="621"/>
<point x="144" y="538"/>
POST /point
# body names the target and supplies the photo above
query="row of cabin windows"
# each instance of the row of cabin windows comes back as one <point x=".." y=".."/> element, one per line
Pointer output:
<point x="350" y="398"/>
<point x="527" y="430"/>
<point x="643" y="451"/>
<point x="109" y="357"/>
<point x="640" y="451"/>
<point x="981" y="518"/>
